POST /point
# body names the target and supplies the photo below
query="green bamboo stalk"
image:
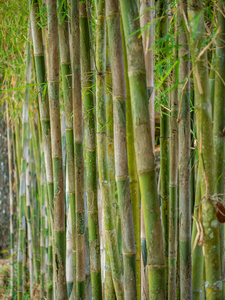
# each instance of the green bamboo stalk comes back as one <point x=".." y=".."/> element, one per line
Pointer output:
<point x="43" y="94"/>
<point x="184" y="163"/>
<point x="173" y="206"/>
<point x="219" y="119"/>
<point x="104" y="178"/>
<point x="16" y="172"/>
<point x="69" y="254"/>
<point x="28" y="218"/>
<point x="146" y="17"/>
<point x="111" y="171"/>
<point x="45" y="120"/>
<point x="9" y="144"/>
<point x="79" y="159"/>
<point x="68" y="106"/>
<point x="22" y="193"/>
<point x="197" y="255"/>
<point x="162" y="7"/>
<point x="121" y="164"/>
<point x="17" y="144"/>
<point x="42" y="229"/>
<point x="35" y="216"/>
<point x="144" y="150"/>
<point x="90" y="153"/>
<point x="132" y="167"/>
<point x="204" y="123"/>
<point x="63" y="132"/>
<point x="37" y="155"/>
<point x="59" y="205"/>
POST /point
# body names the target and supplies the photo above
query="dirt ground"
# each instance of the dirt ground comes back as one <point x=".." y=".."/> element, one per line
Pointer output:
<point x="4" y="282"/>
<point x="4" y="276"/>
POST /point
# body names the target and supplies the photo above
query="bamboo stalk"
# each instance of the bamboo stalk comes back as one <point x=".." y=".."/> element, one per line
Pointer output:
<point x="121" y="164"/>
<point x="9" y="138"/>
<point x="68" y="106"/>
<point x="173" y="205"/>
<point x="132" y="167"/>
<point x="204" y="124"/>
<point x="219" y="119"/>
<point x="42" y="229"/>
<point x="45" y="121"/>
<point x="104" y="178"/>
<point x="109" y="287"/>
<point x="59" y="206"/>
<point x="28" y="217"/>
<point x="197" y="255"/>
<point x="144" y="150"/>
<point x="184" y="164"/>
<point x="90" y="153"/>
<point x="22" y="193"/>
<point x="79" y="160"/>
<point x="162" y="11"/>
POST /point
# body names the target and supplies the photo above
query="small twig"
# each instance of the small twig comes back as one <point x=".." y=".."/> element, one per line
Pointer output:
<point x="216" y="72"/>
<point x="185" y="18"/>
<point x="207" y="46"/>
<point x="169" y="110"/>
<point x="198" y="81"/>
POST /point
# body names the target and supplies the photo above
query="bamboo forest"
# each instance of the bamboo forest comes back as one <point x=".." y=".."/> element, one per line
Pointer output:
<point x="112" y="141"/>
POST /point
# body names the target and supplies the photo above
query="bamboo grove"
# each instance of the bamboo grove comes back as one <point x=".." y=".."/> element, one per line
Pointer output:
<point x="115" y="114"/>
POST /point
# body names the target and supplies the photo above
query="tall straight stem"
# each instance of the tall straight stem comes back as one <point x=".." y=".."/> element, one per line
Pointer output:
<point x="172" y="253"/>
<point x="205" y="137"/>
<point x="120" y="145"/>
<point x="59" y="205"/>
<point x="161" y="10"/>
<point x="68" y="107"/>
<point x="79" y="159"/>
<point x="144" y="150"/>
<point x="219" y="119"/>
<point x="110" y="232"/>
<point x="9" y="144"/>
<point x="90" y="153"/>
<point x="22" y="193"/>
<point x="184" y="164"/>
